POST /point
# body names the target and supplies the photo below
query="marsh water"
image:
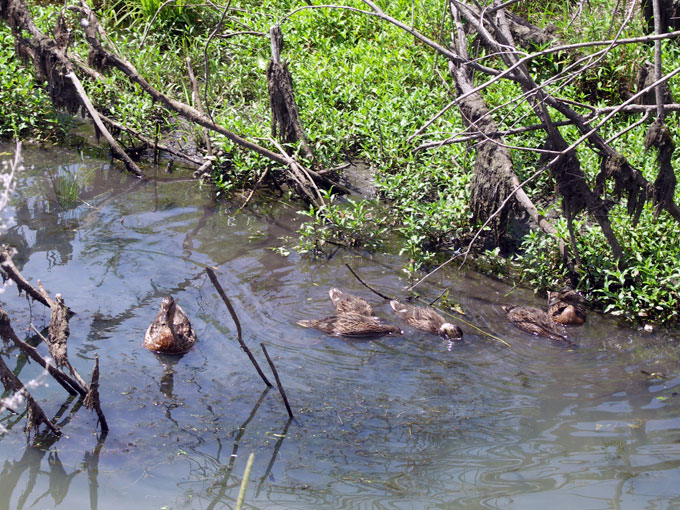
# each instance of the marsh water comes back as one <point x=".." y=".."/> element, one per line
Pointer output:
<point x="402" y="422"/>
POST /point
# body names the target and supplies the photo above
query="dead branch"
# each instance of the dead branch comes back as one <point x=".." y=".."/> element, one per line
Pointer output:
<point x="206" y="60"/>
<point x="36" y="416"/>
<point x="378" y="293"/>
<point x="278" y="381"/>
<point x="285" y="117"/>
<point x="93" y="29"/>
<point x="148" y="142"/>
<point x="254" y="188"/>
<point x="116" y="149"/>
<point x="92" y="400"/>
<point x="8" y="333"/>
<point x="199" y="105"/>
<point x="239" y="336"/>
<point x="565" y="167"/>
<point x="301" y="176"/>
<point x="493" y="176"/>
<point x="10" y="271"/>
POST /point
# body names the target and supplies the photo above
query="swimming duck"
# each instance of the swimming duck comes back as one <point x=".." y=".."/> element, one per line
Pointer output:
<point x="567" y="307"/>
<point x="346" y="303"/>
<point x="170" y="332"/>
<point x="426" y="319"/>
<point x="534" y="320"/>
<point x="351" y="324"/>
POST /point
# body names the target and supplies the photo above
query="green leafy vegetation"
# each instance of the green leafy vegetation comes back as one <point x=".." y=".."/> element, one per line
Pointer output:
<point x="363" y="87"/>
<point x="25" y="108"/>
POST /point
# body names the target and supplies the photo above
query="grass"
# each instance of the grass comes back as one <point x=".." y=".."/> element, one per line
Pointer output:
<point x="67" y="184"/>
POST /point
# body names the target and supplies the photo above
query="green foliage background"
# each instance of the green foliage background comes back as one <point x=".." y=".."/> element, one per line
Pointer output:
<point x="363" y="87"/>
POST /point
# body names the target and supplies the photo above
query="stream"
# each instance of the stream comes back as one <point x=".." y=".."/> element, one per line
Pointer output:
<point x="408" y="421"/>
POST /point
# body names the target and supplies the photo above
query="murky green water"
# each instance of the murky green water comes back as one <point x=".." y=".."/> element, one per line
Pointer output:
<point x="399" y="423"/>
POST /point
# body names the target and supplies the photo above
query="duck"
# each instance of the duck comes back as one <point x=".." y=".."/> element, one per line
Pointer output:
<point x="351" y="324"/>
<point x="426" y="319"/>
<point x="346" y="303"/>
<point x="170" y="332"/>
<point x="534" y="320"/>
<point x="567" y="307"/>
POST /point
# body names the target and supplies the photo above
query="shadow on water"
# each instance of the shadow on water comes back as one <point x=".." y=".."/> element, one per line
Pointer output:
<point x="411" y="421"/>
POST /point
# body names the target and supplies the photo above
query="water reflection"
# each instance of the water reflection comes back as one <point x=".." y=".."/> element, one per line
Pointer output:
<point x="27" y="474"/>
<point x="409" y="422"/>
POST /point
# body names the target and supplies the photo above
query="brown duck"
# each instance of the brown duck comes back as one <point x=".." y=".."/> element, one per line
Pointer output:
<point x="170" y="332"/>
<point x="426" y="319"/>
<point x="351" y="324"/>
<point x="346" y="303"/>
<point x="567" y="307"/>
<point x="534" y="320"/>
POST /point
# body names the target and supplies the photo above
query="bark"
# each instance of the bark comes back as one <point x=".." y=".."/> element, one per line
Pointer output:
<point x="645" y="79"/>
<point x="92" y="400"/>
<point x="659" y="136"/>
<point x="58" y="331"/>
<point x="669" y="15"/>
<point x="286" y="125"/>
<point x="10" y="272"/>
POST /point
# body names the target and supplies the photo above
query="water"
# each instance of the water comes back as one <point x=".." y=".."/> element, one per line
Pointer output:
<point x="399" y="422"/>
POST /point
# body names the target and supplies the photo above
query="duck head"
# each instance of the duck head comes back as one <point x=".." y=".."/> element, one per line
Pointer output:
<point x="168" y="306"/>
<point x="449" y="330"/>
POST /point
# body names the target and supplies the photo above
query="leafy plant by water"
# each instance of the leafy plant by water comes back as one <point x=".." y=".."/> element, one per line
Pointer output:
<point x="67" y="185"/>
<point x="363" y="88"/>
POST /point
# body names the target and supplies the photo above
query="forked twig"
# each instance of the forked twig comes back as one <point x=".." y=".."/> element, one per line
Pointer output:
<point x="220" y="291"/>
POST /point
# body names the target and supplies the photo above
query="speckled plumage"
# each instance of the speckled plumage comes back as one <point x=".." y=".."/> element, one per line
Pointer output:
<point x="351" y="324"/>
<point x="426" y="319"/>
<point x="534" y="320"/>
<point x="170" y="332"/>
<point x="567" y="307"/>
<point x="346" y="303"/>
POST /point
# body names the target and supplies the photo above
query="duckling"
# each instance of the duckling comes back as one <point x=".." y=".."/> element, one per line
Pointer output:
<point x="567" y="307"/>
<point x="426" y="319"/>
<point x="346" y="303"/>
<point x="170" y="332"/>
<point x="351" y="324"/>
<point x="534" y="320"/>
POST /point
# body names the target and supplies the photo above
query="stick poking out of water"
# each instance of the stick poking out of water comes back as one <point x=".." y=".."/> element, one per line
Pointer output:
<point x="367" y="285"/>
<point x="278" y="381"/>
<point x="220" y="291"/>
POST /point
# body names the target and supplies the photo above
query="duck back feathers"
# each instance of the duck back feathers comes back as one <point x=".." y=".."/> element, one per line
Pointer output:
<point x="351" y="324"/>
<point x="535" y="321"/>
<point x="346" y="303"/>
<point x="426" y="319"/>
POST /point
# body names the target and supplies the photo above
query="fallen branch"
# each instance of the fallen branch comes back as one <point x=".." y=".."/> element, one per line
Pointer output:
<point x="69" y="384"/>
<point x="220" y="291"/>
<point x="117" y="150"/>
<point x="11" y="271"/>
<point x="149" y="142"/>
<point x="36" y="416"/>
<point x="367" y="285"/>
<point x="278" y="381"/>
<point x="92" y="400"/>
